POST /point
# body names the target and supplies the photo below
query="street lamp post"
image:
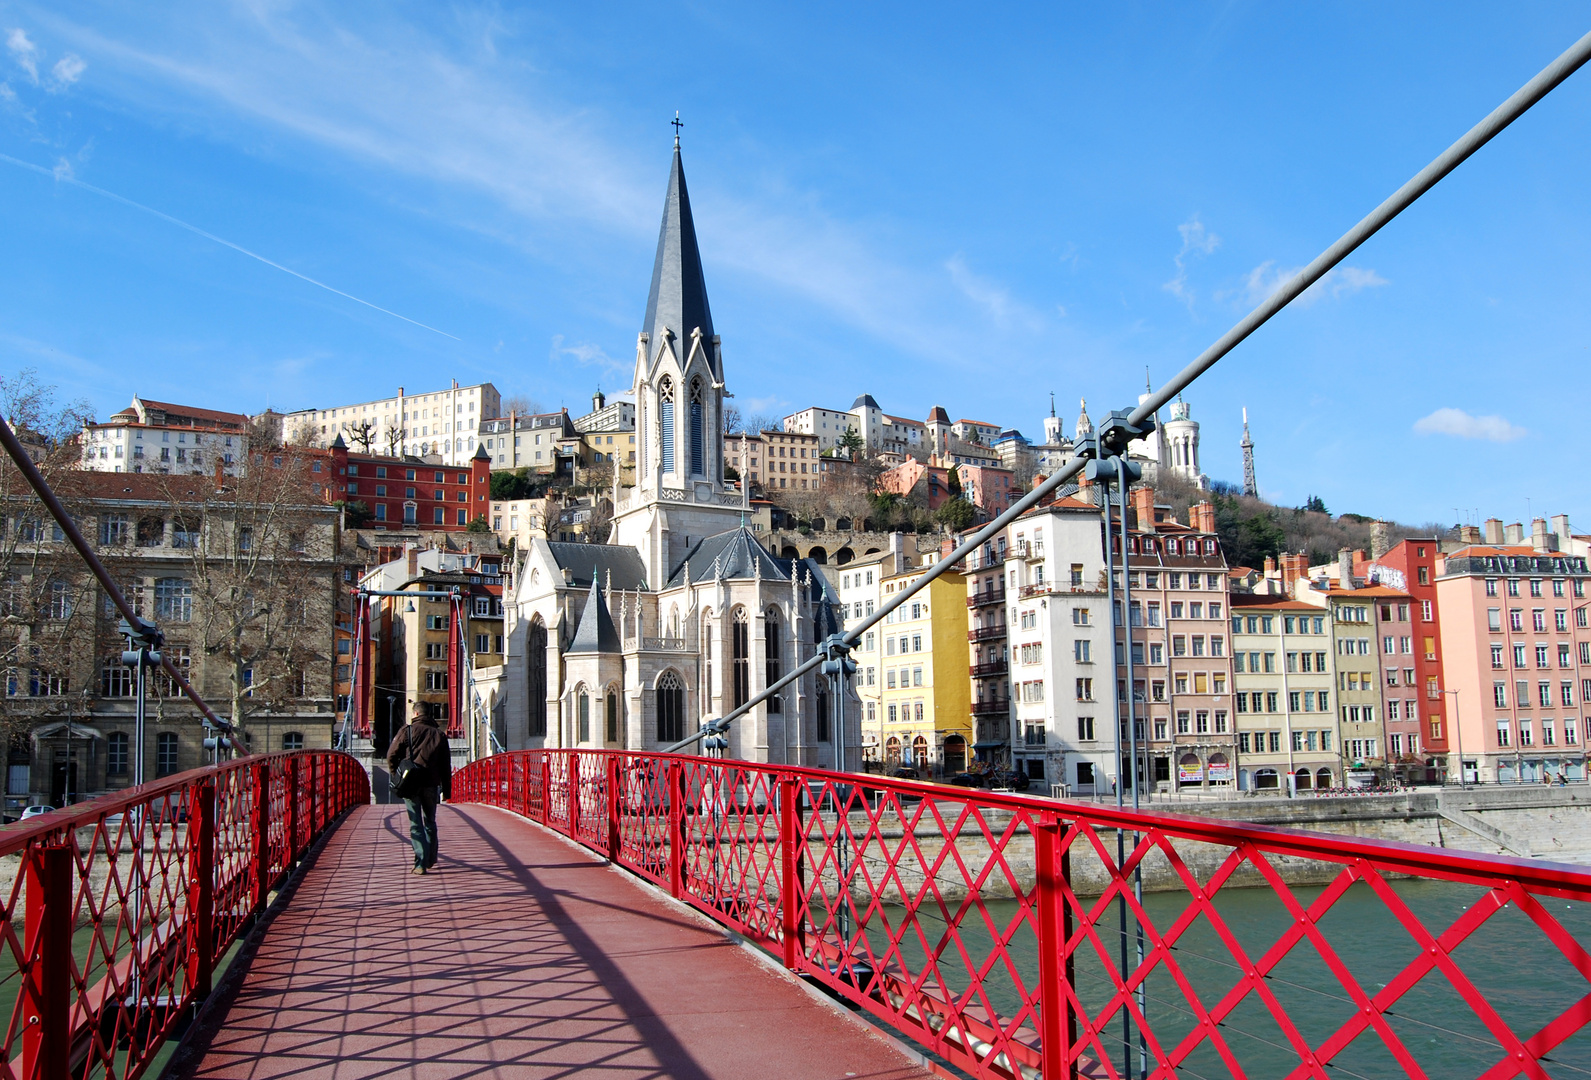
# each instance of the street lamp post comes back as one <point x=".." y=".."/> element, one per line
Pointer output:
<point x="1458" y="729"/>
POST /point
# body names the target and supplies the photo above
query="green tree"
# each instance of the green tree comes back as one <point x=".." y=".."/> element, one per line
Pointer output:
<point x="478" y="525"/>
<point x="851" y="442"/>
<point x="1316" y="504"/>
<point x="955" y="514"/>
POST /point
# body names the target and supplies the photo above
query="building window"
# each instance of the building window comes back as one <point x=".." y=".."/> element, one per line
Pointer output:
<point x="613" y="717"/>
<point x="536" y="678"/>
<point x="293" y="740"/>
<point x="740" y="642"/>
<point x="165" y="753"/>
<point x="116" y="754"/>
<point x="583" y="710"/>
<point x="772" y="648"/>
<point x="666" y="415"/>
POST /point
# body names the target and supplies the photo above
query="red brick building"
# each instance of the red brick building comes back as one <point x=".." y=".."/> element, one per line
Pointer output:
<point x="408" y="493"/>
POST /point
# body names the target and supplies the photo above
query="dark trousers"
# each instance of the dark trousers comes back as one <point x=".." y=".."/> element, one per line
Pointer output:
<point x="422" y="826"/>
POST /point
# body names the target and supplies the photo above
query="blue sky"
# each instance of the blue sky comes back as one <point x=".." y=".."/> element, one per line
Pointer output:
<point x="931" y="204"/>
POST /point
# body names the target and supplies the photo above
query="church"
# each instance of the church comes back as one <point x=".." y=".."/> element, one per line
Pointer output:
<point x="683" y="614"/>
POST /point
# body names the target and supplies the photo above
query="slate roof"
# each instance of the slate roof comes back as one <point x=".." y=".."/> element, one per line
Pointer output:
<point x="595" y="634"/>
<point x="867" y="400"/>
<point x="730" y="555"/>
<point x="592" y="562"/>
<point x="678" y="298"/>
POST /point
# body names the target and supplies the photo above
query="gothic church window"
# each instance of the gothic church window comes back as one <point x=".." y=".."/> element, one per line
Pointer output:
<point x="698" y="435"/>
<point x="536" y="677"/>
<point x="740" y="629"/>
<point x="665" y="396"/>
<point x="670" y="708"/>
<point x="772" y="652"/>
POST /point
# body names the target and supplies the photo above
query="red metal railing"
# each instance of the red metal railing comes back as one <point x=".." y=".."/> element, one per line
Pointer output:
<point x="117" y="910"/>
<point x="1012" y="936"/>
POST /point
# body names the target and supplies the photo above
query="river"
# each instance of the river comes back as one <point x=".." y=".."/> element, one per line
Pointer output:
<point x="1509" y="959"/>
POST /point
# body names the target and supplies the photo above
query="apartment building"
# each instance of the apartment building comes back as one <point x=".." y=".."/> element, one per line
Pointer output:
<point x="990" y="655"/>
<point x="975" y="431"/>
<point x="827" y="426"/>
<point x="790" y="459"/>
<point x="440" y="423"/>
<point x="904" y="478"/>
<point x="405" y="493"/>
<point x="1180" y="650"/>
<point x="1360" y="671"/>
<point x="258" y="554"/>
<point x="518" y="521"/>
<point x="861" y="588"/>
<point x="925" y="697"/>
<point x="608" y="451"/>
<point x="1418" y="740"/>
<point x="1284" y="692"/>
<point x="1516" y="640"/>
<point x="617" y="414"/>
<point x="990" y="488"/>
<point x="1061" y="671"/>
<point x="159" y="437"/>
<point x="542" y="442"/>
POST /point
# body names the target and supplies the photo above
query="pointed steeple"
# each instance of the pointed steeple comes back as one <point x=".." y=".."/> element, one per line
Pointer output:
<point x="595" y="634"/>
<point x="678" y="299"/>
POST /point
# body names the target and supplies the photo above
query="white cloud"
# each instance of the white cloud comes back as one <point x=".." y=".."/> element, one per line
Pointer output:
<point x="24" y="53"/>
<point x="63" y="170"/>
<point x="1196" y="240"/>
<point x="1262" y="281"/>
<point x="1464" y="426"/>
<point x="990" y="296"/>
<point x="67" y="70"/>
<point x="585" y="354"/>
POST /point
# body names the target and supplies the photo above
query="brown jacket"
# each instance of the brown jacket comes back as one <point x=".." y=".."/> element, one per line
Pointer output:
<point x="424" y="743"/>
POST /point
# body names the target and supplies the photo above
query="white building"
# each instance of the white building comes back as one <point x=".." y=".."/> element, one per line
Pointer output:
<point x="615" y="414"/>
<point x="440" y="423"/>
<point x="1062" y="666"/>
<point x="519" y="521"/>
<point x="827" y="424"/>
<point x="861" y="589"/>
<point x="158" y="437"/>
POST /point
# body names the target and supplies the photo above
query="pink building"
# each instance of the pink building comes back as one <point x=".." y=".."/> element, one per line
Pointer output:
<point x="990" y="490"/>
<point x="1516" y="643"/>
<point x="908" y="474"/>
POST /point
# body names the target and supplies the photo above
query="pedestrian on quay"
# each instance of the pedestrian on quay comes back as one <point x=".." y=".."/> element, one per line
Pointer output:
<point x="421" y="766"/>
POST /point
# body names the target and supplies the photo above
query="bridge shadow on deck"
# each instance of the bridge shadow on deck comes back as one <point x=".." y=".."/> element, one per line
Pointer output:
<point x="521" y="957"/>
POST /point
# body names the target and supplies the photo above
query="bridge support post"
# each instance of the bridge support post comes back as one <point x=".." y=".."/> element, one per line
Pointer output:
<point x="546" y="789"/>
<point x="574" y="795"/>
<point x="1057" y="1024"/>
<point x="791" y="886"/>
<point x="259" y="832"/>
<point x="613" y="808"/>
<point x="201" y="891"/>
<point x="47" y="937"/>
<point x="676" y="830"/>
<point x="290" y="811"/>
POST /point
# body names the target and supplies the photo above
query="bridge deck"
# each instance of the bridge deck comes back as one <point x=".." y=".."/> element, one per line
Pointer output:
<point x="522" y="956"/>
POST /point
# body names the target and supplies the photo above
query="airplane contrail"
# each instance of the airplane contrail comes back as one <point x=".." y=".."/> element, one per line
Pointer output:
<point x="52" y="174"/>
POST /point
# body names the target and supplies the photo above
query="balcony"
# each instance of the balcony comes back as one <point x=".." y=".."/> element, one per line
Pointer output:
<point x="986" y="597"/>
<point x="984" y="560"/>
<point x="993" y="667"/>
<point x="986" y="633"/>
<point x="991" y="708"/>
<point x="1042" y="588"/>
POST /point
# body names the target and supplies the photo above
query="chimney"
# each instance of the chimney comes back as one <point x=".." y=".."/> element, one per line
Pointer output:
<point x="1560" y="529"/>
<point x="1540" y="538"/>
<point x="1291" y="571"/>
<point x="1143" y="504"/>
<point x="1270" y="566"/>
<point x="1203" y="515"/>
<point x="1469" y="534"/>
<point x="1344" y="568"/>
<point x="1493" y="531"/>
<point x="412" y="554"/>
<point x="220" y="474"/>
<point x="1379" y="544"/>
<point x="1514" y="534"/>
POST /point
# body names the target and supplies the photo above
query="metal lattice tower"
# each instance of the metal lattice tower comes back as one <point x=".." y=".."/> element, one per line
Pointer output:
<point x="1249" y="485"/>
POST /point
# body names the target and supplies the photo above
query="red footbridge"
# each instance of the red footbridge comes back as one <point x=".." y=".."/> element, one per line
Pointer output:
<point x="669" y="916"/>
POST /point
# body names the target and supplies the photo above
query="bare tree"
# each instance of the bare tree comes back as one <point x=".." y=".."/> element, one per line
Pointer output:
<point x="520" y="405"/>
<point x="395" y="438"/>
<point x="732" y="421"/>
<point x="260" y="570"/>
<point x="305" y="432"/>
<point x="362" y="434"/>
<point x="757" y="423"/>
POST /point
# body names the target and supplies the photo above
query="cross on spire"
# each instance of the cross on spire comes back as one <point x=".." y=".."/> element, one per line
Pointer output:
<point x="678" y="123"/>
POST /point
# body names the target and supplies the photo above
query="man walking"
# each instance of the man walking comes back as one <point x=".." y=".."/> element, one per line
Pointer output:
<point x="423" y="743"/>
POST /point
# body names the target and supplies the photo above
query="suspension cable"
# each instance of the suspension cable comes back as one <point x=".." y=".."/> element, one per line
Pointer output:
<point x="142" y="628"/>
<point x="1478" y="136"/>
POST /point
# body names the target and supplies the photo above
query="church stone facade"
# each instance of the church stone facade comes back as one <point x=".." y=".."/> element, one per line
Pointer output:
<point x="683" y="614"/>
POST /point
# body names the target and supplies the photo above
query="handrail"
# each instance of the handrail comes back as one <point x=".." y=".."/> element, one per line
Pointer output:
<point x="166" y="876"/>
<point x="929" y="906"/>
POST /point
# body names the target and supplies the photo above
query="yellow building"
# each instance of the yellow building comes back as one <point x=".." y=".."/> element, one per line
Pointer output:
<point x="926" y="692"/>
<point x="599" y="449"/>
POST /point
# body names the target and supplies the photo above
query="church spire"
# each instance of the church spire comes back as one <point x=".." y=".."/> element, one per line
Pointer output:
<point x="677" y="302"/>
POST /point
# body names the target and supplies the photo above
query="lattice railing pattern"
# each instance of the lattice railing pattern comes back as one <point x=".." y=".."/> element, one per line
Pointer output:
<point x="1016" y="936"/>
<point x="117" y="911"/>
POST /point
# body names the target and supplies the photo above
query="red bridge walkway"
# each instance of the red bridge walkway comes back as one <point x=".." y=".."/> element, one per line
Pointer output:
<point x="521" y="956"/>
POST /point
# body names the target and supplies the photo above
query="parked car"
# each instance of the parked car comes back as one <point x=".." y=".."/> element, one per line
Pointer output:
<point x="35" y="811"/>
<point x="967" y="779"/>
